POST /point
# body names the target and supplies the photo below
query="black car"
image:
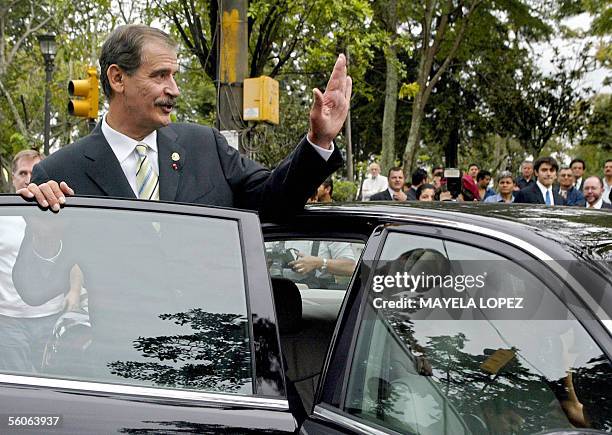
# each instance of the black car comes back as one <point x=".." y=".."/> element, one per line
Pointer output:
<point x="365" y="318"/>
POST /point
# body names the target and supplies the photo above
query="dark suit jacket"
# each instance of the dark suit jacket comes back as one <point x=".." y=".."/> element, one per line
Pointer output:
<point x="381" y="196"/>
<point x="208" y="172"/>
<point x="606" y="205"/>
<point x="574" y="197"/>
<point x="532" y="195"/>
<point x="411" y="194"/>
<point x="522" y="183"/>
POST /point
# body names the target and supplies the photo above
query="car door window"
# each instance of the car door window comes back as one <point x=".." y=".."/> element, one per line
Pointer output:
<point x="431" y="370"/>
<point x="159" y="299"/>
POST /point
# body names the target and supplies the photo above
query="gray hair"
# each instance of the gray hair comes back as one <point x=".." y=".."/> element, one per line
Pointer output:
<point x="504" y="174"/>
<point x="25" y="154"/>
<point x="123" y="47"/>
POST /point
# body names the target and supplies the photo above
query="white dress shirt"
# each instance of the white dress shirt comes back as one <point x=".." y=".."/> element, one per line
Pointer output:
<point x="12" y="230"/>
<point x="373" y="185"/>
<point x="597" y="205"/>
<point x="124" y="148"/>
<point x="607" y="188"/>
<point x="543" y="189"/>
<point x="578" y="183"/>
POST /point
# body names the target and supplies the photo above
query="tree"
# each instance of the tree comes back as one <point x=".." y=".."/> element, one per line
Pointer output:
<point x="213" y="355"/>
<point x="439" y="26"/>
<point x="535" y="107"/>
<point x="387" y="15"/>
<point x="596" y="145"/>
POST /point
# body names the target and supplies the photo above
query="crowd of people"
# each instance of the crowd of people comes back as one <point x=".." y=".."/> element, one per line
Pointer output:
<point x="542" y="181"/>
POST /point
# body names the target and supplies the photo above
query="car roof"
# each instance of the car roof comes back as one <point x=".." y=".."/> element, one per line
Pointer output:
<point x="582" y="233"/>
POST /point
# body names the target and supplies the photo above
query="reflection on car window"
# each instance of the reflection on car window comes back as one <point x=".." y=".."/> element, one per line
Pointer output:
<point x="313" y="264"/>
<point x="416" y="372"/>
<point x="125" y="297"/>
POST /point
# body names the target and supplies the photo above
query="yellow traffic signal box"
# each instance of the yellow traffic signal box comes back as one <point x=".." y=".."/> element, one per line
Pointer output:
<point x="87" y="105"/>
<point x="260" y="100"/>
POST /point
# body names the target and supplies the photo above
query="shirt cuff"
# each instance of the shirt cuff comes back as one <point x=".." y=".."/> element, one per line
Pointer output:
<point x="323" y="152"/>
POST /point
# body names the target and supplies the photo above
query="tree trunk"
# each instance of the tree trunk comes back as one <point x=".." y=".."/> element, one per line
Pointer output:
<point x="385" y="12"/>
<point x="14" y="111"/>
<point x="5" y="183"/>
<point x="414" y="136"/>
<point x="432" y="35"/>
<point x="452" y="148"/>
<point x="387" y="158"/>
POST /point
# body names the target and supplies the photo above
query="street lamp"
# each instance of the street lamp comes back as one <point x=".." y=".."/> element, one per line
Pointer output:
<point x="48" y="49"/>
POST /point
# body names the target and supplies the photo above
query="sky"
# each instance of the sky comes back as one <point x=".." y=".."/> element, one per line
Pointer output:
<point x="579" y="22"/>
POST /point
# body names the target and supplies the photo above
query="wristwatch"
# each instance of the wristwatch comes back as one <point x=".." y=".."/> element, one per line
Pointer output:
<point x="324" y="267"/>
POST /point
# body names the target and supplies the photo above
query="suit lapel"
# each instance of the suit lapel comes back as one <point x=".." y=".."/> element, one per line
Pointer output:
<point x="171" y="160"/>
<point x="538" y="194"/>
<point x="102" y="166"/>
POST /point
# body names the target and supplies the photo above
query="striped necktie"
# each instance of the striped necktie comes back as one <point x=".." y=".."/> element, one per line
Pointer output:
<point x="147" y="181"/>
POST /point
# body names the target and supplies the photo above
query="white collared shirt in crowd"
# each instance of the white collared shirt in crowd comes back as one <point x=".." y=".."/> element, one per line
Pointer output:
<point x="373" y="185"/>
<point x="597" y="205"/>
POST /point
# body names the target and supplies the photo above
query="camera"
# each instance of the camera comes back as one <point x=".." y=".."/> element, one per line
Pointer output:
<point x="281" y="257"/>
<point x="453" y="181"/>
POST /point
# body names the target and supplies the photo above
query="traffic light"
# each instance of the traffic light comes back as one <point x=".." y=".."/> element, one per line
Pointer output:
<point x="87" y="105"/>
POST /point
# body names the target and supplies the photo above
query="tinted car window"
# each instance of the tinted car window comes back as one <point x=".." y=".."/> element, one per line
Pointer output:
<point x="431" y="371"/>
<point x="160" y="299"/>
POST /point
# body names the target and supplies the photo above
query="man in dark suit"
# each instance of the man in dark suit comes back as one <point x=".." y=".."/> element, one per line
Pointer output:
<point x="578" y="166"/>
<point x="419" y="177"/>
<point x="572" y="196"/>
<point x="542" y="191"/>
<point x="136" y="152"/>
<point x="526" y="178"/>
<point x="593" y="193"/>
<point x="396" y="184"/>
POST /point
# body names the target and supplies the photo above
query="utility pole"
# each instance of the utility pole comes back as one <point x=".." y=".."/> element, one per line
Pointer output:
<point x="232" y="68"/>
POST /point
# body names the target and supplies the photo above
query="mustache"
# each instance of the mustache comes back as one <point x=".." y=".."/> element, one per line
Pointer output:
<point x="166" y="102"/>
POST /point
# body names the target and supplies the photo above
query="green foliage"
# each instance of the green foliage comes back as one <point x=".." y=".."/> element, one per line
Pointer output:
<point x="409" y="90"/>
<point x="596" y="146"/>
<point x="344" y="191"/>
<point x="492" y="102"/>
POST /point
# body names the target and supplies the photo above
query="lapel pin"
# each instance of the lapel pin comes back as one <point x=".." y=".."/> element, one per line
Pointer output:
<point x="175" y="157"/>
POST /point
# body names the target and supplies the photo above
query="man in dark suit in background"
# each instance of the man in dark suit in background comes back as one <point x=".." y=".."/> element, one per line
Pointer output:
<point x="527" y="178"/>
<point x="419" y="177"/>
<point x="593" y="193"/>
<point x="578" y="166"/>
<point x="395" y="191"/>
<point x="542" y="191"/>
<point x="136" y="152"/>
<point x="566" y="189"/>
